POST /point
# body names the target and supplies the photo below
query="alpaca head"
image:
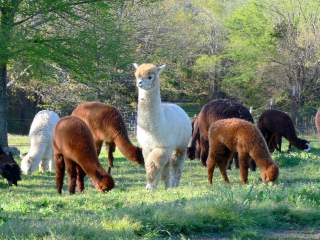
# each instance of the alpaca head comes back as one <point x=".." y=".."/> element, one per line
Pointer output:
<point x="28" y="165"/>
<point x="304" y="145"/>
<point x="9" y="169"/>
<point x="104" y="182"/>
<point x="270" y="174"/>
<point x="147" y="75"/>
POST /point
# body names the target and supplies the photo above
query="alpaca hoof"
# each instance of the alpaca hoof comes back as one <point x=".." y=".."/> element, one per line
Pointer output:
<point x="150" y="187"/>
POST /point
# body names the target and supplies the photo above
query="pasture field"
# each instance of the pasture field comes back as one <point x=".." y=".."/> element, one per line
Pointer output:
<point x="289" y="209"/>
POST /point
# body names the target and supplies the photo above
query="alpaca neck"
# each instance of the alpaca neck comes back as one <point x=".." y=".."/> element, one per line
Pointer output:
<point x="126" y="147"/>
<point x="149" y="109"/>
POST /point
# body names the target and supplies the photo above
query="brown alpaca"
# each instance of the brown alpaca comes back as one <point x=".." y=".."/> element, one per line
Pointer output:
<point x="74" y="150"/>
<point x="317" y="121"/>
<point x="211" y="112"/>
<point x="107" y="125"/>
<point x="276" y="124"/>
<point x="236" y="135"/>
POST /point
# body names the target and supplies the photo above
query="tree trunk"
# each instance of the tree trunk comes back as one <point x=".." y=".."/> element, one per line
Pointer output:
<point x="3" y="105"/>
<point x="7" y="15"/>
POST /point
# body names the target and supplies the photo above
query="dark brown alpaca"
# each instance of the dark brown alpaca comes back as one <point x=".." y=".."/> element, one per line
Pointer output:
<point x="9" y="169"/>
<point x="211" y="112"/>
<point x="317" y="122"/>
<point x="276" y="124"/>
<point x="74" y="150"/>
<point x="236" y="135"/>
<point x="107" y="125"/>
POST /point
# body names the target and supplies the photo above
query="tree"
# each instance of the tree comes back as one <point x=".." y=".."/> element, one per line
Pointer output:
<point x="45" y="34"/>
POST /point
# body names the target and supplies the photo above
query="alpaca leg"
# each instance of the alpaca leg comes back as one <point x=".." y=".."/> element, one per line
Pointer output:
<point x="177" y="163"/>
<point x="60" y="168"/>
<point x="211" y="161"/>
<point x="204" y="146"/>
<point x="156" y="160"/>
<point x="72" y="175"/>
<point x="98" y="147"/>
<point x="111" y="148"/>
<point x="80" y="178"/>
<point x="243" y="161"/>
<point x="47" y="157"/>
<point x="224" y="162"/>
<point x="279" y="143"/>
<point x="166" y="176"/>
<point x="236" y="159"/>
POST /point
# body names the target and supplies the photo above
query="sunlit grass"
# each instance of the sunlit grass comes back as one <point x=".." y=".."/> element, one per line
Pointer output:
<point x="34" y="210"/>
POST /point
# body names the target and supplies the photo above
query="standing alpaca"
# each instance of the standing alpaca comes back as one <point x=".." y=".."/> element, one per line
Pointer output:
<point x="317" y="121"/>
<point x="211" y="112"/>
<point x="236" y="135"/>
<point x="9" y="169"/>
<point x="107" y="125"/>
<point x="74" y="150"/>
<point x="163" y="130"/>
<point x="276" y="124"/>
<point x="40" y="152"/>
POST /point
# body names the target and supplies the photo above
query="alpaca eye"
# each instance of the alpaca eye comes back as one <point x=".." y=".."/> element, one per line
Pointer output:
<point x="150" y="77"/>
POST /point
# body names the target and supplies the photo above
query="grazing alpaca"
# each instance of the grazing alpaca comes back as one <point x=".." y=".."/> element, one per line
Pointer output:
<point x="163" y="130"/>
<point x="74" y="149"/>
<point x="40" y="152"/>
<point x="211" y="112"/>
<point x="276" y="124"/>
<point x="236" y="135"/>
<point x="9" y="169"/>
<point x="317" y="121"/>
<point x="107" y="125"/>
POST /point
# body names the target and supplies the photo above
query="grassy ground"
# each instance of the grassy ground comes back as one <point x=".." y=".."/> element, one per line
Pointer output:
<point x="289" y="209"/>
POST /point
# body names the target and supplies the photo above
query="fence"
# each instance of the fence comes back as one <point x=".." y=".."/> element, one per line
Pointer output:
<point x="22" y="126"/>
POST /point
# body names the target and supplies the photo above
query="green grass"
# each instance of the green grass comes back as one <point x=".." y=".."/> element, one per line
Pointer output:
<point x="194" y="210"/>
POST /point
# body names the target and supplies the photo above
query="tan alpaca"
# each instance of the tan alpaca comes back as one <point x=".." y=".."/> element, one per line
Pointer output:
<point x="235" y="135"/>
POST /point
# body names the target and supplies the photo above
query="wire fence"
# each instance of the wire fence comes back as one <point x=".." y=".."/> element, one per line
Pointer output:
<point x="304" y="126"/>
<point x="21" y="128"/>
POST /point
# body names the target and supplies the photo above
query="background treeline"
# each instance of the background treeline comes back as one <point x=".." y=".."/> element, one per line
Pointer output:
<point x="58" y="53"/>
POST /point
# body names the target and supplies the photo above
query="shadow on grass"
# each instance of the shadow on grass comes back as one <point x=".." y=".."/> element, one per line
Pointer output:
<point x="162" y="220"/>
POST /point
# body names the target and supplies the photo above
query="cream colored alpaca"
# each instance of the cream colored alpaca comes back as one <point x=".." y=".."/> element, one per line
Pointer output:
<point x="41" y="152"/>
<point x="163" y="130"/>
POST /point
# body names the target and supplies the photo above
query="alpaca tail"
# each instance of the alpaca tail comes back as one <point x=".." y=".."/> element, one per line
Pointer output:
<point x="128" y="150"/>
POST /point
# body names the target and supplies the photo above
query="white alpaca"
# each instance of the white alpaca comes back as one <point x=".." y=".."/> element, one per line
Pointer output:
<point x="40" y="152"/>
<point x="163" y="130"/>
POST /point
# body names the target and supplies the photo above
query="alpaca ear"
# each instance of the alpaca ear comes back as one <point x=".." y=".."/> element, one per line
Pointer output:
<point x="161" y="68"/>
<point x="135" y="65"/>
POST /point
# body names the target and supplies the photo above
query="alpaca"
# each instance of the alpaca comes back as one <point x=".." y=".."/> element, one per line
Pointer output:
<point x="107" y="125"/>
<point x="40" y="152"/>
<point x="211" y="112"/>
<point x="74" y="149"/>
<point x="9" y="169"/>
<point x="163" y="130"/>
<point x="276" y="124"/>
<point x="236" y="135"/>
<point x="317" y="122"/>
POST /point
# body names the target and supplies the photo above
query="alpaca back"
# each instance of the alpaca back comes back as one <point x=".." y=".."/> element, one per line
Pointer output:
<point x="278" y="122"/>
<point x="43" y="124"/>
<point x="172" y="129"/>
<point x="241" y="136"/>
<point x="104" y="121"/>
<point x="221" y="109"/>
